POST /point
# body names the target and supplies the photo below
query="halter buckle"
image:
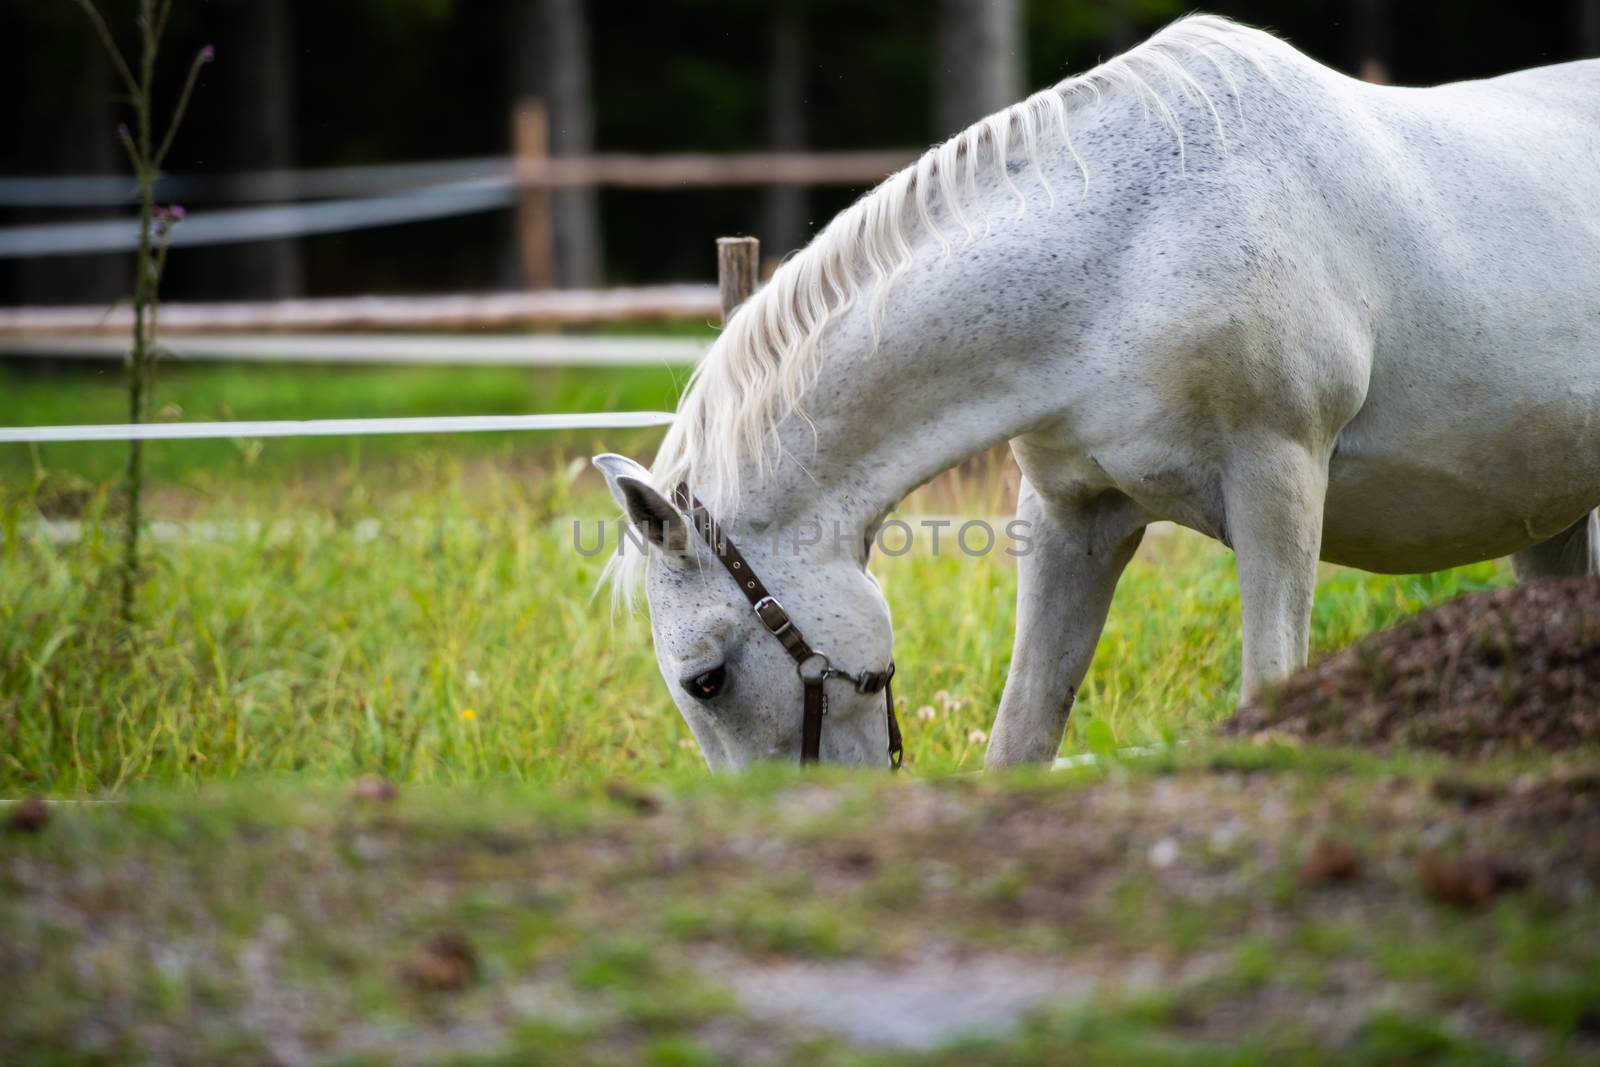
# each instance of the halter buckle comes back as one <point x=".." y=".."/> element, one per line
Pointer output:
<point x="772" y="615"/>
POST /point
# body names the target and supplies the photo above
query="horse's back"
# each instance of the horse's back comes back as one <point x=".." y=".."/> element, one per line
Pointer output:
<point x="1562" y="89"/>
<point x="1424" y="267"/>
<point x="1407" y="276"/>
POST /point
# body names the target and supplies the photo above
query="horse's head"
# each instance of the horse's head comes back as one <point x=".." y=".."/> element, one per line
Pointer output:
<point x="736" y="662"/>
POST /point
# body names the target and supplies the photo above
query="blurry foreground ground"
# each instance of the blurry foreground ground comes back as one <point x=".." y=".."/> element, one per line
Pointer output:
<point x="1239" y="906"/>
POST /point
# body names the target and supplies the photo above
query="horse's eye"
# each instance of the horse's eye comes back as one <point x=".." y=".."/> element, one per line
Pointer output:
<point x="709" y="684"/>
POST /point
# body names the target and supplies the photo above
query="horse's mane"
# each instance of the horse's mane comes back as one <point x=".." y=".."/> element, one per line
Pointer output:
<point x="768" y="353"/>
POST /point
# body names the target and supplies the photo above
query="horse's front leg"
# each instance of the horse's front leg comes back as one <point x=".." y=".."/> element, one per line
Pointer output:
<point x="1273" y="493"/>
<point x="1065" y="581"/>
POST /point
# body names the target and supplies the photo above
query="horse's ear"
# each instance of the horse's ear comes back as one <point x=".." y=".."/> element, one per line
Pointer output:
<point x="652" y="514"/>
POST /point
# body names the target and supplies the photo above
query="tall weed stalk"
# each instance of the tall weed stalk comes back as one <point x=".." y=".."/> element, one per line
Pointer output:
<point x="146" y="153"/>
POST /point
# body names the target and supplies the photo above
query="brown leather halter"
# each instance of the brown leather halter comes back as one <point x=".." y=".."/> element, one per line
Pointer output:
<point x="812" y="666"/>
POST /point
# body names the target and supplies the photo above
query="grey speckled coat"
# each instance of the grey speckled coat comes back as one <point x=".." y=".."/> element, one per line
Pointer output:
<point x="1346" y="322"/>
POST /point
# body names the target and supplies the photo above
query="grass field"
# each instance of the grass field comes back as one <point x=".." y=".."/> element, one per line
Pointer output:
<point x="559" y="881"/>
<point x="449" y="631"/>
<point x="416" y="607"/>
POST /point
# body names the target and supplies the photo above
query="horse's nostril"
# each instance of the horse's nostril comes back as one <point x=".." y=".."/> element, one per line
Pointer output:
<point x="708" y="684"/>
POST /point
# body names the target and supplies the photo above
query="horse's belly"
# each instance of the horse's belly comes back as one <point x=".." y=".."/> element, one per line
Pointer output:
<point x="1429" y="493"/>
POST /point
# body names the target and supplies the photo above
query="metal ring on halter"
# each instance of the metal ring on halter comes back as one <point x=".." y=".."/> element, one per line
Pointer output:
<point x="820" y="673"/>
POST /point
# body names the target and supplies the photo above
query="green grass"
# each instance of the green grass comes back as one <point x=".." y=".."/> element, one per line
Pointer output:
<point x="309" y="641"/>
<point x="1168" y="663"/>
<point x="458" y="638"/>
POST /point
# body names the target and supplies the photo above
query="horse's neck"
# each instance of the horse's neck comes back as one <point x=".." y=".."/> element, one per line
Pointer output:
<point x="948" y="378"/>
<point x="982" y="345"/>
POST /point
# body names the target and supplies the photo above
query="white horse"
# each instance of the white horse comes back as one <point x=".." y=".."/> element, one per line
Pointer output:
<point x="1210" y="281"/>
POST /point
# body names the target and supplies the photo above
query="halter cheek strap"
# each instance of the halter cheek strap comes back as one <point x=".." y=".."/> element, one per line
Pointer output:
<point x="812" y="666"/>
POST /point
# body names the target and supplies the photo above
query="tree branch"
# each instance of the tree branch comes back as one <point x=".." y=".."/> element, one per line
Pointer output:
<point x="132" y="149"/>
<point x="201" y="58"/>
<point x="104" y="33"/>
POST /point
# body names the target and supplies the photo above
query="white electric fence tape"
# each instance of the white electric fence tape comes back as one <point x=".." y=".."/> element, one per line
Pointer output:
<point x="194" y="431"/>
<point x="357" y="198"/>
<point x="312" y="184"/>
<point x="263" y="223"/>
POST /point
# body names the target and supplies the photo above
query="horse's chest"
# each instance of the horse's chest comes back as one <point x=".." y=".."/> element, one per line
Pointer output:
<point x="1170" y="475"/>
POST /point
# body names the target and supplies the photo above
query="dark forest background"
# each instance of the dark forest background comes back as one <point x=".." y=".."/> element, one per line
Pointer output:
<point x="316" y="83"/>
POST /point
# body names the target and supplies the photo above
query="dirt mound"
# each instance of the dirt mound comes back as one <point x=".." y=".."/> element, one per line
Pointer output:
<point x="1508" y="670"/>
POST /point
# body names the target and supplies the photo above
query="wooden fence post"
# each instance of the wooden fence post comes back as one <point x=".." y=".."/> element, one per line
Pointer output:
<point x="530" y="148"/>
<point x="738" y="267"/>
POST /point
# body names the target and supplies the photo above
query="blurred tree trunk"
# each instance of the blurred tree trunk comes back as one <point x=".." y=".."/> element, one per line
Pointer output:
<point x="263" y="136"/>
<point x="980" y="69"/>
<point x="1369" y="40"/>
<point x="784" y="225"/>
<point x="256" y="66"/>
<point x="550" y="60"/>
<point x="1588" y="19"/>
<point x="1123" y="33"/>
<point x="68" y="129"/>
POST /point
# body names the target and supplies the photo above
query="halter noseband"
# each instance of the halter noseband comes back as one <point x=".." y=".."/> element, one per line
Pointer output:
<point x="812" y="666"/>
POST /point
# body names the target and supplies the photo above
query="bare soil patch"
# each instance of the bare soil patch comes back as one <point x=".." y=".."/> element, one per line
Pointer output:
<point x="1512" y="670"/>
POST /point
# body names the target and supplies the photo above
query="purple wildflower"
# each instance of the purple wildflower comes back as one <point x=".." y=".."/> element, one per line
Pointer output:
<point x="167" y="216"/>
<point x="207" y="54"/>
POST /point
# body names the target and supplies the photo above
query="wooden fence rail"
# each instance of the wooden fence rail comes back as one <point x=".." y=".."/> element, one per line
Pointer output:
<point x="382" y="349"/>
<point x="553" y="307"/>
<point x="628" y="171"/>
